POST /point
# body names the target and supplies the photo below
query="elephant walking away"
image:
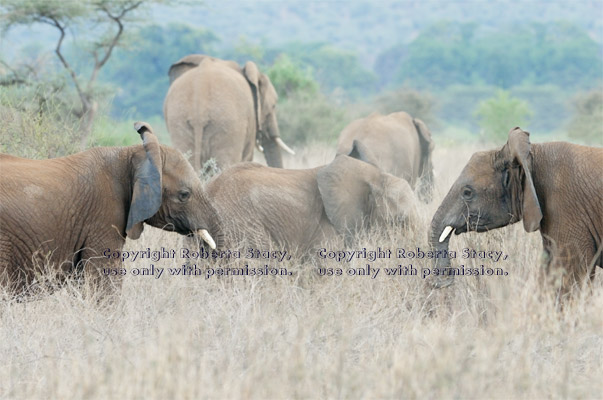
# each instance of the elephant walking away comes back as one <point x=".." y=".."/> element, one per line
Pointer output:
<point x="556" y="188"/>
<point x="396" y="143"/>
<point x="64" y="213"/>
<point x="217" y="109"/>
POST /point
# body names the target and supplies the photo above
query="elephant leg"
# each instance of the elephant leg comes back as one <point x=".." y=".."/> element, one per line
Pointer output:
<point x="223" y="143"/>
<point x="197" y="136"/>
<point x="101" y="280"/>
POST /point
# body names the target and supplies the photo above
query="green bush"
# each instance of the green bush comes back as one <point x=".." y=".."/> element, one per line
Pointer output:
<point x="586" y="125"/>
<point x="497" y="115"/>
<point x="110" y="132"/>
<point x="305" y="118"/>
<point x="36" y="123"/>
<point x="288" y="78"/>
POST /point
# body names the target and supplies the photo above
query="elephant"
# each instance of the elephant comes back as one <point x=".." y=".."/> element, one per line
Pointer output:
<point x="554" y="187"/>
<point x="216" y="109"/>
<point x="396" y="143"/>
<point x="302" y="209"/>
<point x="64" y="214"/>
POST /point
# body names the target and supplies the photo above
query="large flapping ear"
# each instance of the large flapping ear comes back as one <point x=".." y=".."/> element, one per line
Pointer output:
<point x="146" y="194"/>
<point x="426" y="142"/>
<point x="519" y="149"/>
<point x="361" y="152"/>
<point x="345" y="194"/>
<point x="252" y="74"/>
<point x="185" y="64"/>
<point x="424" y="135"/>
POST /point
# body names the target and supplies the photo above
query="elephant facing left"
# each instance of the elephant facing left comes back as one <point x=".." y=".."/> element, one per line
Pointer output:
<point x="63" y="213"/>
<point x="304" y="209"/>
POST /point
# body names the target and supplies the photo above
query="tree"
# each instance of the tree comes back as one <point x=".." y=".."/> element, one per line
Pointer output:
<point x="141" y="65"/>
<point x="104" y="19"/>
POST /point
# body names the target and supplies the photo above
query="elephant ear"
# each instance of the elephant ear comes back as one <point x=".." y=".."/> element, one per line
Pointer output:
<point x="518" y="146"/>
<point x="185" y="64"/>
<point x="361" y="152"/>
<point x="345" y="193"/>
<point x="427" y="144"/>
<point x="252" y="74"/>
<point x="146" y="193"/>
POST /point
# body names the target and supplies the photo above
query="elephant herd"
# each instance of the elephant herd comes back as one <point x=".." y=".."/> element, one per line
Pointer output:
<point x="64" y="212"/>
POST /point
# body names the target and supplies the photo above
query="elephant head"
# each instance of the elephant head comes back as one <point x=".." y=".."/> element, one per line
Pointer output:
<point x="167" y="193"/>
<point x="425" y="189"/>
<point x="265" y="99"/>
<point x="356" y="194"/>
<point x="494" y="189"/>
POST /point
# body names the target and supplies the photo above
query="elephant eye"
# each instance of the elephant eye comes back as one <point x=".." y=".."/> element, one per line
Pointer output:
<point x="184" y="195"/>
<point x="467" y="193"/>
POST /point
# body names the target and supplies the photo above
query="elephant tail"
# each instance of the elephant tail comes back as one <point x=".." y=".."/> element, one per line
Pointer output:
<point x="197" y="130"/>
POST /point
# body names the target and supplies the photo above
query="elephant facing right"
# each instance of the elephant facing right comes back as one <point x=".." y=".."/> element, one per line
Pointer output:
<point x="556" y="188"/>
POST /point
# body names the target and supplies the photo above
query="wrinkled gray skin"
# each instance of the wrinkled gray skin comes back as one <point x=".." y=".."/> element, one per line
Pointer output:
<point x="215" y="108"/>
<point x="555" y="187"/>
<point x="65" y="212"/>
<point x="303" y="209"/>
<point x="397" y="144"/>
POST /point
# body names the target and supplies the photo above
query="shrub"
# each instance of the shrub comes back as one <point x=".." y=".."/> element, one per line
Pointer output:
<point x="586" y="125"/>
<point x="497" y="115"/>
<point x="36" y="123"/>
<point x="305" y="117"/>
<point x="288" y="78"/>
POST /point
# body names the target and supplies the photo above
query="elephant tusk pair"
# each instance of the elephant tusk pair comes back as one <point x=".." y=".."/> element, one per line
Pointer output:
<point x="445" y="233"/>
<point x="207" y="238"/>
<point x="283" y="146"/>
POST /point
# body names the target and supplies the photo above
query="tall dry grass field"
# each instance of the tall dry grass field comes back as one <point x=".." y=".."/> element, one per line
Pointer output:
<point x="311" y="336"/>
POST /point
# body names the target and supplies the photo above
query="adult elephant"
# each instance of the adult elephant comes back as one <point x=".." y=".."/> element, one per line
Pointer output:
<point x="396" y="143"/>
<point x="306" y="208"/>
<point x="217" y="109"/>
<point x="555" y="187"/>
<point x="64" y="213"/>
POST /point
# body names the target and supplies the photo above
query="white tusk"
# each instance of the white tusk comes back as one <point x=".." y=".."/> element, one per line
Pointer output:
<point x="207" y="238"/>
<point x="259" y="147"/>
<point x="445" y="233"/>
<point x="283" y="146"/>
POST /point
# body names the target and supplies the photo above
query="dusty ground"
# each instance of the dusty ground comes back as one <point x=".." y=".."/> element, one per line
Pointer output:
<point x="309" y="336"/>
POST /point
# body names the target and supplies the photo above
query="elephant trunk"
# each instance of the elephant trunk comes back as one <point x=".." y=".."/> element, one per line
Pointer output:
<point x="209" y="224"/>
<point x="272" y="152"/>
<point x="443" y="224"/>
<point x="269" y="141"/>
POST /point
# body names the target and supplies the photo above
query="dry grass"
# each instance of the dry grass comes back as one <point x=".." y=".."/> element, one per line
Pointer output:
<point x="306" y="336"/>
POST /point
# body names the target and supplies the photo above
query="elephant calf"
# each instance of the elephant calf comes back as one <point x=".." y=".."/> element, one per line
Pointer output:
<point x="397" y="144"/>
<point x="555" y="187"/>
<point x="63" y="213"/>
<point x="303" y="209"/>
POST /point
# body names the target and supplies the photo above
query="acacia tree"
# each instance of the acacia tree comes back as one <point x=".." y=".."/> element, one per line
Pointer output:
<point x="104" y="22"/>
